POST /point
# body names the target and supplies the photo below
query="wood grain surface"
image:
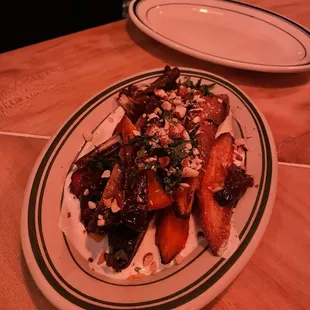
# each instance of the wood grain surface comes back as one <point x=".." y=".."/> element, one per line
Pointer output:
<point x="43" y="84"/>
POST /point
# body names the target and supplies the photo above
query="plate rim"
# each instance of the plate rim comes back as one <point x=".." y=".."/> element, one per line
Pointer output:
<point x="218" y="60"/>
<point x="48" y="290"/>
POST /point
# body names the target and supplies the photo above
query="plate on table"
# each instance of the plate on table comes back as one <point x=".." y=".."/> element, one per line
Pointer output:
<point x="56" y="259"/>
<point x="228" y="33"/>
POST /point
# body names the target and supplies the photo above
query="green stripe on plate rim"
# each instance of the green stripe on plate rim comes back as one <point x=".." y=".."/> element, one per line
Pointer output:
<point x="90" y="106"/>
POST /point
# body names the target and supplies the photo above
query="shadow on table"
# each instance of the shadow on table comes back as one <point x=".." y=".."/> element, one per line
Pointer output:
<point x="244" y="77"/>
<point x="38" y="298"/>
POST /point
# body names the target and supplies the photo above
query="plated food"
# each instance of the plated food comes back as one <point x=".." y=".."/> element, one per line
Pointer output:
<point x="69" y="264"/>
<point x="172" y="166"/>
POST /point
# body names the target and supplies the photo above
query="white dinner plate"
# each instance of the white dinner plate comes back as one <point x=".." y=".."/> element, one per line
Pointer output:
<point x="67" y="279"/>
<point x="229" y="33"/>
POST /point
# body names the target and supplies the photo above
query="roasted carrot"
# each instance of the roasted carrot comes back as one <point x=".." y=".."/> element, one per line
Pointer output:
<point x="171" y="234"/>
<point x="157" y="197"/>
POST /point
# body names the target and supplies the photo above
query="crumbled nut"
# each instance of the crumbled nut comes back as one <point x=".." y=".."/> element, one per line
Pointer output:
<point x="101" y="222"/>
<point x="114" y="207"/>
<point x="188" y="146"/>
<point x="177" y="101"/>
<point x="147" y="259"/>
<point x="195" y="151"/>
<point x="172" y="95"/>
<point x="198" y="167"/>
<point x="101" y="259"/>
<point x="136" y="276"/>
<point x="86" y="192"/>
<point x="108" y="202"/>
<point x="100" y="217"/>
<point x="166" y="105"/>
<point x="180" y="111"/>
<point x="160" y="93"/>
<point x="152" y="115"/>
<point x="106" y="174"/>
<point x="185" y="135"/>
<point x="179" y="259"/>
<point x="184" y="185"/>
<point x="185" y="162"/>
<point x="220" y="100"/>
<point x="91" y="205"/>
<point x="164" y="161"/>
<point x="188" y="172"/>
<point x="153" y="267"/>
<point x="144" y="115"/>
<point x="196" y="119"/>
<point x="88" y="136"/>
<point x="158" y="111"/>
<point x="136" y="132"/>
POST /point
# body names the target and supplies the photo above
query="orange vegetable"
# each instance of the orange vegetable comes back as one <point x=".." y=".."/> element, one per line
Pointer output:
<point x="171" y="234"/>
<point x="157" y="197"/>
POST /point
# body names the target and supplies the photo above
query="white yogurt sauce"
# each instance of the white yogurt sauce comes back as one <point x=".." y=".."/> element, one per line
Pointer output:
<point x="89" y="248"/>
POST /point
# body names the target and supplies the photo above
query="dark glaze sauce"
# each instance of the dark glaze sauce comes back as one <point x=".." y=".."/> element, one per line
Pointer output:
<point x="235" y="186"/>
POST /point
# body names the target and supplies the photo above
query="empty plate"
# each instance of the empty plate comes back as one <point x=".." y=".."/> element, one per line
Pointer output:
<point x="226" y="32"/>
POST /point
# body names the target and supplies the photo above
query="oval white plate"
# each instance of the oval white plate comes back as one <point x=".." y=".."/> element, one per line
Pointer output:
<point x="226" y="32"/>
<point x="65" y="277"/>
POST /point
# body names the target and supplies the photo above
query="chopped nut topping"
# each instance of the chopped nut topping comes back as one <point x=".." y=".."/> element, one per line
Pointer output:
<point x="100" y="217"/>
<point x="101" y="222"/>
<point x="136" y="132"/>
<point x="188" y="172"/>
<point x="188" y="146"/>
<point x="177" y="101"/>
<point x="86" y="192"/>
<point x="152" y="115"/>
<point x="147" y="259"/>
<point x="114" y="207"/>
<point x="91" y="205"/>
<point x="185" y="185"/>
<point x="88" y="136"/>
<point x="195" y="151"/>
<point x="106" y="174"/>
<point x="179" y="259"/>
<point x="158" y="111"/>
<point x="172" y="95"/>
<point x="136" y="276"/>
<point x="160" y="93"/>
<point x="185" y="135"/>
<point x="185" y="162"/>
<point x="166" y="105"/>
<point x="196" y="119"/>
<point x="153" y="267"/>
<point x="181" y="111"/>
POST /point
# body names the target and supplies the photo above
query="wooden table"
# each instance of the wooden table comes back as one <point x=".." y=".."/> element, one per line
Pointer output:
<point x="41" y="85"/>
